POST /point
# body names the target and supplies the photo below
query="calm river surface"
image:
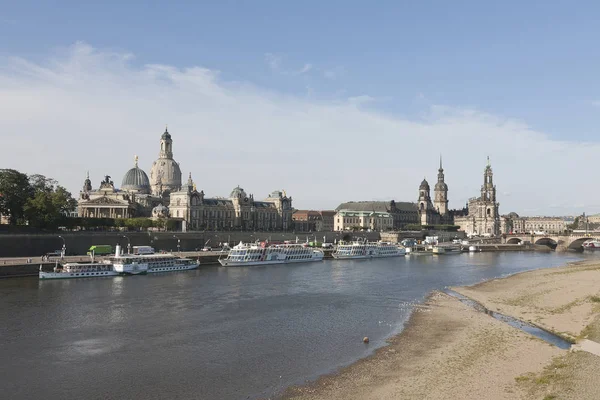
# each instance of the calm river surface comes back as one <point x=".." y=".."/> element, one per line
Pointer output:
<point x="218" y="333"/>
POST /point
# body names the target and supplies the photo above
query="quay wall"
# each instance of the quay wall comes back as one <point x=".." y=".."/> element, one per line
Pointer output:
<point x="34" y="245"/>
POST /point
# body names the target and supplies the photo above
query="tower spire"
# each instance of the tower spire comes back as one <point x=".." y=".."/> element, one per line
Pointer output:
<point x="488" y="161"/>
<point x="135" y="160"/>
<point x="441" y="161"/>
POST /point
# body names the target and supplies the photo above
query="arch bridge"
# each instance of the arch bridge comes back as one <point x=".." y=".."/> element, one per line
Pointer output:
<point x="562" y="242"/>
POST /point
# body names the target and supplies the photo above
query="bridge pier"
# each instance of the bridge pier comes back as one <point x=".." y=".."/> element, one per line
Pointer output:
<point x="561" y="248"/>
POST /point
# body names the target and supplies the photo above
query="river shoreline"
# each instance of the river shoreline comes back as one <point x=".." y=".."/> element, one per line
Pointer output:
<point x="448" y="350"/>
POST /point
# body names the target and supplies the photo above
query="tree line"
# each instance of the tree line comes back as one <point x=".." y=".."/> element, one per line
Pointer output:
<point x="34" y="200"/>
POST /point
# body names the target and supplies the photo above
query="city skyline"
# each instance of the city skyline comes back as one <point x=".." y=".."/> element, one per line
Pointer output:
<point x="318" y="121"/>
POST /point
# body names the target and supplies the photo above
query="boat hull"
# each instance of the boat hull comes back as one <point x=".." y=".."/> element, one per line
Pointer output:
<point x="173" y="268"/>
<point x="131" y="270"/>
<point x="73" y="275"/>
<point x="364" y="257"/>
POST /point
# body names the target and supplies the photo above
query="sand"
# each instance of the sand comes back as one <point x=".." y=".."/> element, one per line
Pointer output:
<point x="451" y="351"/>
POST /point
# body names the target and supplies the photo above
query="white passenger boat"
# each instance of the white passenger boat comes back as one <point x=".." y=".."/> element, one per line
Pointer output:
<point x="362" y="249"/>
<point x="78" y="270"/>
<point x="263" y="253"/>
<point x="591" y="245"/>
<point x="446" y="250"/>
<point x="138" y="264"/>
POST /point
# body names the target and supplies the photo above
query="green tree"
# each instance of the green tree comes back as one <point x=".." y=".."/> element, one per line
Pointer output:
<point x="14" y="192"/>
<point x="49" y="203"/>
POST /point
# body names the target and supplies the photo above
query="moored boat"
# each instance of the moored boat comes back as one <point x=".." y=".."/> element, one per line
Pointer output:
<point x="263" y="253"/>
<point x="446" y="250"/>
<point x="139" y="264"/>
<point x="78" y="270"/>
<point x="592" y="244"/>
<point x="362" y="250"/>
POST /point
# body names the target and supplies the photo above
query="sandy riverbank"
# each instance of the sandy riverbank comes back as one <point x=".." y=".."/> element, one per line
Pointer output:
<point x="450" y="351"/>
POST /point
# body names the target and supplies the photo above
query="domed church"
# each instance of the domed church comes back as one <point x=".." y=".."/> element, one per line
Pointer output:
<point x="165" y="175"/>
<point x="133" y="199"/>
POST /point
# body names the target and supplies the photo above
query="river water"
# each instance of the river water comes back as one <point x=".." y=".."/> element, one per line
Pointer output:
<point x="218" y="333"/>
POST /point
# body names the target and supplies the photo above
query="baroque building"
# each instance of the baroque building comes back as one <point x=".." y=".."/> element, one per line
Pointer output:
<point x="237" y="212"/>
<point x="512" y="223"/>
<point x="133" y="199"/>
<point x="105" y="202"/>
<point x="403" y="213"/>
<point x="165" y="175"/>
<point x="483" y="217"/>
<point x="348" y="220"/>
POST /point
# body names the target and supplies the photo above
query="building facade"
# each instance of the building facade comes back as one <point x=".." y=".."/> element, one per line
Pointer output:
<point x="106" y="201"/>
<point x="307" y="221"/>
<point x="483" y="218"/>
<point x="403" y="213"/>
<point x="239" y="211"/>
<point x="512" y="223"/>
<point x="313" y="221"/>
<point x="348" y="220"/>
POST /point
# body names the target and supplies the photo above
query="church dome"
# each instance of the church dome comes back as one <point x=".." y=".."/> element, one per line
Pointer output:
<point x="160" y="211"/>
<point x="424" y="185"/>
<point x="237" y="192"/>
<point x="166" y="172"/>
<point x="136" y="180"/>
<point x="165" y="175"/>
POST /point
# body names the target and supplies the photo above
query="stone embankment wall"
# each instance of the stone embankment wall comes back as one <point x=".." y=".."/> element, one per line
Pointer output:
<point x="34" y="245"/>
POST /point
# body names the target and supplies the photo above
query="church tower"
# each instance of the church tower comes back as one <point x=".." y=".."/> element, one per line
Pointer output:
<point x="440" y="201"/>
<point x="488" y="190"/>
<point x="165" y="175"/>
<point x="87" y="184"/>
<point x="424" y="203"/>
<point x="166" y="146"/>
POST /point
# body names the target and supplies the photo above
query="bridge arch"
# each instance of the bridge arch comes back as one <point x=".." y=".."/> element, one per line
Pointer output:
<point x="577" y="243"/>
<point x="514" y="241"/>
<point x="545" y="241"/>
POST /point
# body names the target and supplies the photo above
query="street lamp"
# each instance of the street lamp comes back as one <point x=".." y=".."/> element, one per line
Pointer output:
<point x="178" y="244"/>
<point x="128" y="244"/>
<point x="64" y="247"/>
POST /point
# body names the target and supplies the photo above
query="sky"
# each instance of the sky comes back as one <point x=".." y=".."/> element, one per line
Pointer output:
<point x="331" y="101"/>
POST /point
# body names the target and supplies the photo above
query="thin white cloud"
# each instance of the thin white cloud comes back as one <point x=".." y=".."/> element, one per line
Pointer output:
<point x="87" y="109"/>
<point x="273" y="61"/>
<point x="362" y="99"/>
<point x="306" y="68"/>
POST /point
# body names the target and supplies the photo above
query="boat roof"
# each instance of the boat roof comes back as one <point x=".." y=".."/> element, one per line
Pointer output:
<point x="142" y="256"/>
<point x="82" y="264"/>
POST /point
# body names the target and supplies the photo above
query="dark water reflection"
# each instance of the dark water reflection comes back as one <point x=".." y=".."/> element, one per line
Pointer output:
<point x="218" y="333"/>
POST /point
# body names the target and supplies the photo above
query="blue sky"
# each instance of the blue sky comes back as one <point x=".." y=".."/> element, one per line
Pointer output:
<point x="530" y="63"/>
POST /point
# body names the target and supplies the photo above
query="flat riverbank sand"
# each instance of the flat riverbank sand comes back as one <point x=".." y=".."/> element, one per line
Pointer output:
<point x="451" y="351"/>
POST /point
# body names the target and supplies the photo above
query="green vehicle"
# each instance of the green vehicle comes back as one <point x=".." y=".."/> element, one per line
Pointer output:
<point x="100" y="249"/>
